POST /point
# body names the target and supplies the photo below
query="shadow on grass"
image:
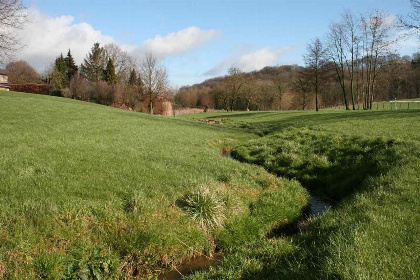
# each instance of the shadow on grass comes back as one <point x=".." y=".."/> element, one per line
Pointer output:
<point x="335" y="166"/>
<point x="263" y="123"/>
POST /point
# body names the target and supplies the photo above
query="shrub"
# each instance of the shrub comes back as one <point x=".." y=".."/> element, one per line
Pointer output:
<point x="66" y="93"/>
<point x="31" y="88"/>
<point x="204" y="207"/>
<point x="80" y="88"/>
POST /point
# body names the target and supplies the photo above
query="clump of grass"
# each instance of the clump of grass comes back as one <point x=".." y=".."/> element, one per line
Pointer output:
<point x="48" y="266"/>
<point x="204" y="207"/>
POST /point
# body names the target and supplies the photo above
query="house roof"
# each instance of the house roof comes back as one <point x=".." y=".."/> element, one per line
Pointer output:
<point x="3" y="72"/>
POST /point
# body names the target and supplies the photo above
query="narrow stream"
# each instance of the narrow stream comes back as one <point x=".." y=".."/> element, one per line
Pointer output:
<point x="318" y="206"/>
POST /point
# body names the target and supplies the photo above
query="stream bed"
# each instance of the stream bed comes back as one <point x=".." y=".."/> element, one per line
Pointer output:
<point x="202" y="262"/>
<point x="318" y="205"/>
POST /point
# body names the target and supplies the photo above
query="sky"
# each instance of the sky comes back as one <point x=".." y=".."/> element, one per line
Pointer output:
<point x="194" y="40"/>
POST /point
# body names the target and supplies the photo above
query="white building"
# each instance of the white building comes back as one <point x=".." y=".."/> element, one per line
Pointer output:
<point x="4" y="80"/>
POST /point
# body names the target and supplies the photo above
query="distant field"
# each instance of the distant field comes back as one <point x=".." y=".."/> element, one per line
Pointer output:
<point x="403" y="124"/>
<point x="93" y="192"/>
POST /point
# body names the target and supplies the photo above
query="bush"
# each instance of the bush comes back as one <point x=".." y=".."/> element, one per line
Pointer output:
<point x="80" y="88"/>
<point x="204" y="207"/>
<point x="31" y="88"/>
<point x="66" y="93"/>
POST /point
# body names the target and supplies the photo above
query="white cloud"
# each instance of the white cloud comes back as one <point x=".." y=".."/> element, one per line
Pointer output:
<point x="390" y="19"/>
<point x="177" y="43"/>
<point x="45" y="37"/>
<point x="250" y="61"/>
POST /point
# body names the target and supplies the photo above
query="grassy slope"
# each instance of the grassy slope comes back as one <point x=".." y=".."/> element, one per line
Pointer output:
<point x="88" y="190"/>
<point x="371" y="234"/>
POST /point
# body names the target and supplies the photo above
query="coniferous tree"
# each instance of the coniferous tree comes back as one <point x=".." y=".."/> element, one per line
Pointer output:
<point x="59" y="74"/>
<point x="133" y="78"/>
<point x="93" y="65"/>
<point x="109" y="73"/>
<point x="60" y="64"/>
<point x="72" y="68"/>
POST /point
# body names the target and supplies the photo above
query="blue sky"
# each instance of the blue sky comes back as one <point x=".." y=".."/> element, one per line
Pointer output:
<point x="207" y="36"/>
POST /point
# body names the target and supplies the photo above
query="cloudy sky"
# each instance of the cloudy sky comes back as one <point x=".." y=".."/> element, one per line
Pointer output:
<point x="195" y="40"/>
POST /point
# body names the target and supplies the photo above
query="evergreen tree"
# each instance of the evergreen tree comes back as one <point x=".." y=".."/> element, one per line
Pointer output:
<point x="93" y="65"/>
<point x="133" y="78"/>
<point x="60" y="64"/>
<point x="72" y="68"/>
<point x="109" y="73"/>
<point x="59" y="75"/>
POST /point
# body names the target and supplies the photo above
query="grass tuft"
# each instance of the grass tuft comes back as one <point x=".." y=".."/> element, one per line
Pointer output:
<point x="204" y="207"/>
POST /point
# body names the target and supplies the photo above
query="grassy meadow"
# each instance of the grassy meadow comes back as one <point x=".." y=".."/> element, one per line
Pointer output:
<point x="94" y="192"/>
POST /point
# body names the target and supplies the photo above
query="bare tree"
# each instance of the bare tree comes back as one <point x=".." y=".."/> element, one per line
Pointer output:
<point x="250" y="92"/>
<point x="338" y="54"/>
<point x="376" y="44"/>
<point x="302" y="87"/>
<point x="412" y="21"/>
<point x="351" y="26"/>
<point x="124" y="63"/>
<point x="20" y="72"/>
<point x="12" y="17"/>
<point x="316" y="62"/>
<point x="343" y="44"/>
<point x="222" y="94"/>
<point x="235" y="83"/>
<point x="280" y="86"/>
<point x="155" y="79"/>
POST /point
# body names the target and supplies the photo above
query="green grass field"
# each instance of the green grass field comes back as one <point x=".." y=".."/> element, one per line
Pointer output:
<point x="93" y="192"/>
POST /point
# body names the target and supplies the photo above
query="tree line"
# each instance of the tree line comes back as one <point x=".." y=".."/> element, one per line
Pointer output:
<point x="353" y="67"/>
<point x="108" y="75"/>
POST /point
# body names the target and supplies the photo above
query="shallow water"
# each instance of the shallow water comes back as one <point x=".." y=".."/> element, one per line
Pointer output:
<point x="319" y="205"/>
<point x="196" y="264"/>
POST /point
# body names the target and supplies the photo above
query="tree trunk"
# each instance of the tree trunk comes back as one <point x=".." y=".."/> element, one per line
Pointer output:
<point x="151" y="108"/>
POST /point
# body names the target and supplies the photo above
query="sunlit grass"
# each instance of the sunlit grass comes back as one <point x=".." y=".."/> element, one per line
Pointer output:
<point x="91" y="191"/>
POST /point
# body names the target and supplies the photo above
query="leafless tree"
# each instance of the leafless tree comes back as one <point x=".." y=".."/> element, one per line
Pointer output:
<point x="12" y="17"/>
<point x="280" y="86"/>
<point x="155" y="79"/>
<point x="302" y="88"/>
<point x="352" y="28"/>
<point x="316" y="62"/>
<point x="412" y="20"/>
<point x="124" y="63"/>
<point x="250" y="91"/>
<point x="337" y="53"/>
<point x="20" y="72"/>
<point x="235" y="83"/>
<point x="376" y="43"/>
<point x="343" y="44"/>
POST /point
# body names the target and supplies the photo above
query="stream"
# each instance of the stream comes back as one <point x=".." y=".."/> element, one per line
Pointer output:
<point x="199" y="263"/>
<point x="318" y="205"/>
